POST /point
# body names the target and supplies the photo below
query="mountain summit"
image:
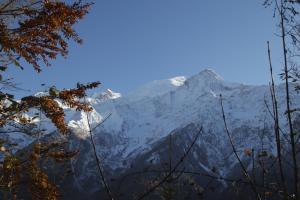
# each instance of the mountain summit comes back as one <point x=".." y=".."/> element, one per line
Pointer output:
<point x="151" y="112"/>
<point x="135" y="135"/>
<point x="208" y="74"/>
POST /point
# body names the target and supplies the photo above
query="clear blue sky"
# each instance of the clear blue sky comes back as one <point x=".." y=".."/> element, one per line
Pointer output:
<point x="131" y="42"/>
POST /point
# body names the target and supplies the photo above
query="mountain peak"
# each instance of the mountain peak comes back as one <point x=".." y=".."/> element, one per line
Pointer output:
<point x="178" y="80"/>
<point x="207" y="78"/>
<point x="209" y="74"/>
<point x="106" y="95"/>
<point x="112" y="94"/>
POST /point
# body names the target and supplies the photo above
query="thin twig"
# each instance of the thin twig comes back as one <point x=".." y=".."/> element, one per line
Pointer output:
<point x="276" y="123"/>
<point x="101" y="173"/>
<point x="281" y="11"/>
<point x="152" y="189"/>
<point x="253" y="186"/>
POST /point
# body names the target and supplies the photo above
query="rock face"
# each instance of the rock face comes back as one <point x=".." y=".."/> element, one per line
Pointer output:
<point x="135" y="138"/>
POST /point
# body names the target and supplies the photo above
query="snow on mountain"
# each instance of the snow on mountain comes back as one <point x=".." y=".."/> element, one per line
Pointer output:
<point x="147" y="115"/>
<point x="143" y="118"/>
<point x="108" y="94"/>
<point x="156" y="88"/>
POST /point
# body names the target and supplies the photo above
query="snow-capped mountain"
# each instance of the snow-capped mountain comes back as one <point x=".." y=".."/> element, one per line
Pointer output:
<point x="151" y="112"/>
<point x="137" y="126"/>
<point x="141" y="121"/>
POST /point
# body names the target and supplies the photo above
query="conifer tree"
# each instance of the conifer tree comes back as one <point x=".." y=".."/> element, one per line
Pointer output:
<point x="35" y="32"/>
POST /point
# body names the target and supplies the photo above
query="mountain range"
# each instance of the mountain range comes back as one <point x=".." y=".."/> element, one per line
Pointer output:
<point x="141" y="135"/>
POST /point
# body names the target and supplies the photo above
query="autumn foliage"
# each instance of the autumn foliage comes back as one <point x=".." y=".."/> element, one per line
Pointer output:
<point x="35" y="32"/>
<point x="38" y="32"/>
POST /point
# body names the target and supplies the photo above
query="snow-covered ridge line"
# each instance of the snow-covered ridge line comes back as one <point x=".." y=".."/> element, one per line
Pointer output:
<point x="148" y="114"/>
